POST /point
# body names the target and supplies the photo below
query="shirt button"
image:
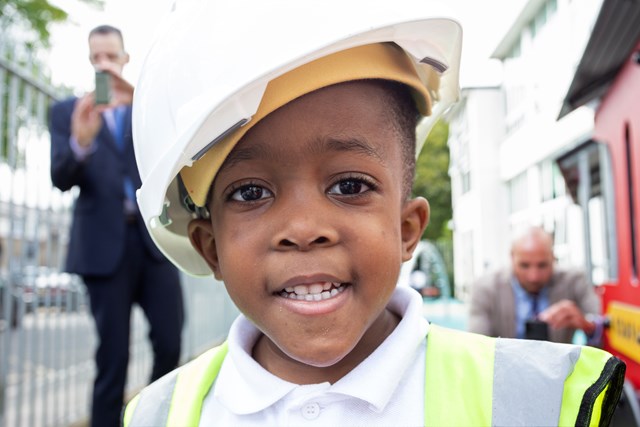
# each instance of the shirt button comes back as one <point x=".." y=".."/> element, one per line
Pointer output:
<point x="310" y="411"/>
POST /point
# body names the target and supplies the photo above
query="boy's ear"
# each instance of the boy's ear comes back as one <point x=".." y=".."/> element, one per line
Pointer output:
<point x="203" y="240"/>
<point x="415" y="217"/>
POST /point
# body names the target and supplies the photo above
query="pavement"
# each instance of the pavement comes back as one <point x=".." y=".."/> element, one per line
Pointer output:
<point x="447" y="312"/>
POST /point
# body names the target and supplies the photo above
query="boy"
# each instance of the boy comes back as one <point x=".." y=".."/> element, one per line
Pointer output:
<point x="294" y="154"/>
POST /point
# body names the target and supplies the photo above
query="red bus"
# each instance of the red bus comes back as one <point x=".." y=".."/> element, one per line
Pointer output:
<point x="603" y="176"/>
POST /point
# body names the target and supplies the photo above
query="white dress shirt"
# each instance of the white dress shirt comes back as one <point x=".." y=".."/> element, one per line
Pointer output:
<point x="386" y="389"/>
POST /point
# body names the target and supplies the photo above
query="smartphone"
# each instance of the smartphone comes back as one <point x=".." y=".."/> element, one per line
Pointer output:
<point x="103" y="87"/>
<point x="536" y="330"/>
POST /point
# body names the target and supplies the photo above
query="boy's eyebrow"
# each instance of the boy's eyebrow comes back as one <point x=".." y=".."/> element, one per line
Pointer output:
<point x="348" y="144"/>
<point x="318" y="146"/>
<point x="239" y="154"/>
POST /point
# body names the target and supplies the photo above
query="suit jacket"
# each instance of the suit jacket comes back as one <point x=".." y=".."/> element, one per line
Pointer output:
<point x="492" y="309"/>
<point x="97" y="236"/>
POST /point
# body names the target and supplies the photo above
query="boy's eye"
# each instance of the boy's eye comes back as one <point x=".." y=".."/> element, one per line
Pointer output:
<point x="350" y="186"/>
<point x="249" y="193"/>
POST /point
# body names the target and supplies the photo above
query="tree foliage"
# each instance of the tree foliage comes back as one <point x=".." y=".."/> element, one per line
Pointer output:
<point x="35" y="16"/>
<point x="24" y="31"/>
<point x="433" y="182"/>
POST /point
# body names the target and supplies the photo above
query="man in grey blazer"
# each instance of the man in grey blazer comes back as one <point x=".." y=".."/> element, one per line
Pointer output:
<point x="503" y="302"/>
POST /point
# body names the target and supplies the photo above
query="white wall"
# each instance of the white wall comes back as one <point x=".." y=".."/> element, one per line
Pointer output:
<point x="477" y="128"/>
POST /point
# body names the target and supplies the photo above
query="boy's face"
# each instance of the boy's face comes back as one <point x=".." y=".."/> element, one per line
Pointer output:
<point x="310" y="202"/>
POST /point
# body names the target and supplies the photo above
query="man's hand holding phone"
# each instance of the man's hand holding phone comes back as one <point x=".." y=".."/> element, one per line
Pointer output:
<point x="567" y="314"/>
<point x="85" y="120"/>
<point x="111" y="89"/>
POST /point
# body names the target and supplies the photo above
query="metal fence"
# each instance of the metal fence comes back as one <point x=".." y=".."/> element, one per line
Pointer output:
<point x="47" y="337"/>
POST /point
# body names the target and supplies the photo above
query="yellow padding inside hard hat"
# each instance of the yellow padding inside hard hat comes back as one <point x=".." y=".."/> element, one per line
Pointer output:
<point x="374" y="61"/>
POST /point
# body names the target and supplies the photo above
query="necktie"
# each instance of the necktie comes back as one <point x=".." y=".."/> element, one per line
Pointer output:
<point x="534" y="306"/>
<point x="118" y="131"/>
<point x="118" y="136"/>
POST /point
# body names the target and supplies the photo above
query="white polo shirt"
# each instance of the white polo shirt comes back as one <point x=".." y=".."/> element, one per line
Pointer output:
<point x="386" y="389"/>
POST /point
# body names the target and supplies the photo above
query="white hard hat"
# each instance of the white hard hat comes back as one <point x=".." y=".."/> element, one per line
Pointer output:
<point x="204" y="78"/>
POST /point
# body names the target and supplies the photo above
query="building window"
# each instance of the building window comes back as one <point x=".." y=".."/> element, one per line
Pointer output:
<point x="552" y="184"/>
<point x="587" y="173"/>
<point x="466" y="182"/>
<point x="518" y="193"/>
<point x="464" y="165"/>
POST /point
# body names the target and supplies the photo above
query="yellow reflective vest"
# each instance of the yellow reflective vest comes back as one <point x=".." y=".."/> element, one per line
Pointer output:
<point x="470" y="380"/>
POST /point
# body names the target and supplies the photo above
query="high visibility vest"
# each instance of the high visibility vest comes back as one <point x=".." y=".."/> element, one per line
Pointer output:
<point x="470" y="380"/>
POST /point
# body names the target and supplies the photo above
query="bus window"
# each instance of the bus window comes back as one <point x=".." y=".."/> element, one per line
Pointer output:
<point x="587" y="173"/>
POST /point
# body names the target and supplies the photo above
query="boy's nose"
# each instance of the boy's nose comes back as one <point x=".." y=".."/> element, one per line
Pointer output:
<point x="304" y="244"/>
<point x="304" y="227"/>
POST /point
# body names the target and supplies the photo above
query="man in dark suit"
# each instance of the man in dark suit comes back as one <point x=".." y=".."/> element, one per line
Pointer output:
<point x="534" y="294"/>
<point x="109" y="246"/>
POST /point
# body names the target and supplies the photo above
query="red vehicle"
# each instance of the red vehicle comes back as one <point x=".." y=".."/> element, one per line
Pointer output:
<point x="603" y="176"/>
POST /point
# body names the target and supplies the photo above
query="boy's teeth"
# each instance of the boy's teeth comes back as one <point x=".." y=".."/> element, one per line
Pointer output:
<point x="315" y="288"/>
<point x="313" y="292"/>
<point x="301" y="289"/>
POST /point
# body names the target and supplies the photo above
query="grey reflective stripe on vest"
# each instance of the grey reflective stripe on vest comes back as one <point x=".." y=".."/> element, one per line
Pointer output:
<point x="155" y="401"/>
<point x="523" y="369"/>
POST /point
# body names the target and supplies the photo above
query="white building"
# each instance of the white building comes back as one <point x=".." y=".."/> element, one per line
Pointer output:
<point x="479" y="196"/>
<point x="504" y="141"/>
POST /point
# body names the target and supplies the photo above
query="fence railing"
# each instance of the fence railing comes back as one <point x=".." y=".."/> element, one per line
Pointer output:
<point x="47" y="336"/>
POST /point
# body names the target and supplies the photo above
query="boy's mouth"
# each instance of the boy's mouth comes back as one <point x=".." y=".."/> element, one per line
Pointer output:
<point x="313" y="292"/>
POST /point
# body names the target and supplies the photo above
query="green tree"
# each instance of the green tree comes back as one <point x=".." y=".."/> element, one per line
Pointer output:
<point x="35" y="16"/>
<point x="24" y="32"/>
<point x="433" y="182"/>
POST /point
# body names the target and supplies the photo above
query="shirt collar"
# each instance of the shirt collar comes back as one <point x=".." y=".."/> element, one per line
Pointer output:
<point x="244" y="387"/>
<point x="392" y="358"/>
<point x="523" y="294"/>
<point x="109" y="115"/>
